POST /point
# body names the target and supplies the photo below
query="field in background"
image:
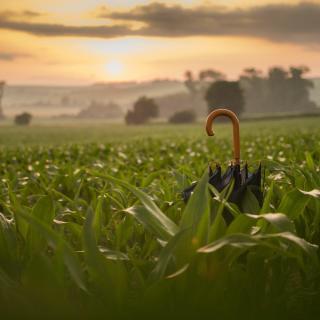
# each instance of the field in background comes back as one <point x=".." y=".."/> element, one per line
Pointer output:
<point x="66" y="132"/>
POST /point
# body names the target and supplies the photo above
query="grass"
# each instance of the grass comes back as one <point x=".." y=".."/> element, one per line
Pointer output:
<point x="55" y="132"/>
<point x="93" y="224"/>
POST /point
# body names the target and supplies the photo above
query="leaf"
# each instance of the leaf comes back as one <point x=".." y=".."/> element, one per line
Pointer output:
<point x="245" y="241"/>
<point x="167" y="253"/>
<point x="279" y="220"/>
<point x="151" y="177"/>
<point x="315" y="193"/>
<point x="112" y="254"/>
<point x="8" y="244"/>
<point x="44" y="211"/>
<point x="158" y="218"/>
<point x="267" y="200"/>
<point x="6" y="282"/>
<point x="56" y="241"/>
<point x="218" y="227"/>
<point x="178" y="272"/>
<point x="293" y="203"/>
<point x="109" y="276"/>
<point x="243" y="223"/>
<point x="196" y="215"/>
<point x="235" y="240"/>
<point x="149" y="221"/>
<point x="21" y="225"/>
<point x="307" y="247"/>
<point x="249" y="202"/>
<point x="309" y="160"/>
<point x="198" y="204"/>
<point x="98" y="217"/>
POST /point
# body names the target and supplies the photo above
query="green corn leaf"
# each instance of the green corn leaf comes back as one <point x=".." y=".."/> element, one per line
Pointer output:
<point x="309" y="161"/>
<point x="98" y="217"/>
<point x="307" y="247"/>
<point x="150" y="222"/>
<point x="273" y="241"/>
<point x="56" y="241"/>
<point x="249" y="202"/>
<point x="315" y="193"/>
<point x="44" y="211"/>
<point x="198" y="205"/>
<point x="167" y="252"/>
<point x="244" y="222"/>
<point x="107" y="275"/>
<point x="267" y="200"/>
<point x="293" y="203"/>
<point x="21" y="225"/>
<point x="234" y="240"/>
<point x="156" y="215"/>
<point x="8" y="244"/>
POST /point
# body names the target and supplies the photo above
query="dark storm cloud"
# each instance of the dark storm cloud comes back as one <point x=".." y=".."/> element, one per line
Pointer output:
<point x="298" y="23"/>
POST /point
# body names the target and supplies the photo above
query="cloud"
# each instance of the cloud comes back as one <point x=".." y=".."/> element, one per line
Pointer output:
<point x="278" y="22"/>
<point x="25" y="14"/>
<point x="299" y="23"/>
<point x="46" y="29"/>
<point x="11" y="56"/>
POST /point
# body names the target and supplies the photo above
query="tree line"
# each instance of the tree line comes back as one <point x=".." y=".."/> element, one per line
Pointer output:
<point x="279" y="90"/>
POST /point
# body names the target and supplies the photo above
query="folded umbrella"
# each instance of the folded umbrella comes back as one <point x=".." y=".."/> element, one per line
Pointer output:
<point x="243" y="179"/>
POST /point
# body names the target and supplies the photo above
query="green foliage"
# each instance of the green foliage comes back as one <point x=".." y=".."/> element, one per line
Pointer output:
<point x="280" y="91"/>
<point x="91" y="231"/>
<point x="143" y="109"/>
<point x="225" y="94"/>
<point x="186" y="116"/>
<point x="23" y="119"/>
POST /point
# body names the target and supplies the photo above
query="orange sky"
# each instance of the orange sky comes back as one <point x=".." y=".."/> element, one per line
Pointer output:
<point x="48" y="42"/>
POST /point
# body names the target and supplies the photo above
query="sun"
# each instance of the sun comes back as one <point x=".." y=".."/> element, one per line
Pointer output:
<point x="114" y="68"/>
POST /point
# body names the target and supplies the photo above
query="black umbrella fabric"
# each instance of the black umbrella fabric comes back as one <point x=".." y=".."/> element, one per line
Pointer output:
<point x="242" y="178"/>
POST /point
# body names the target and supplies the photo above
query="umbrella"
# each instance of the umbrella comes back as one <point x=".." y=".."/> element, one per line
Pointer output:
<point x="243" y="179"/>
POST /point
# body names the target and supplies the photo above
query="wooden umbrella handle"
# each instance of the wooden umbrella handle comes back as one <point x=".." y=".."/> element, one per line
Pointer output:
<point x="236" y="129"/>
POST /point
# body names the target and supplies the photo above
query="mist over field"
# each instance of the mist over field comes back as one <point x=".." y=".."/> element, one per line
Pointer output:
<point x="68" y="101"/>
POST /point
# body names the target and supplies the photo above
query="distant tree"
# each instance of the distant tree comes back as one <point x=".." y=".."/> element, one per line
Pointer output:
<point x="200" y="84"/>
<point x="254" y="89"/>
<point x="298" y="87"/>
<point x="225" y="94"/>
<point x="133" y="118"/>
<point x="197" y="87"/>
<point x="2" y="85"/>
<point x="280" y="91"/>
<point x="186" y="116"/>
<point x="143" y="110"/>
<point x="190" y="83"/>
<point x="277" y="87"/>
<point x="146" y="107"/>
<point x="211" y="74"/>
<point x="23" y="119"/>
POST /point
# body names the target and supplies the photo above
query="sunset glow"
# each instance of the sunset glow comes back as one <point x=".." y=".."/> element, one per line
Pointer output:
<point x="79" y="43"/>
<point x="114" y="68"/>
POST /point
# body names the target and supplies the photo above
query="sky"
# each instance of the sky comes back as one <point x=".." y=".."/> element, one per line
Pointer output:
<point x="72" y="42"/>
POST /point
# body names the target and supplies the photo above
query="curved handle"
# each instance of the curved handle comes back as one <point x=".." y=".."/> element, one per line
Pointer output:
<point x="236" y="129"/>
